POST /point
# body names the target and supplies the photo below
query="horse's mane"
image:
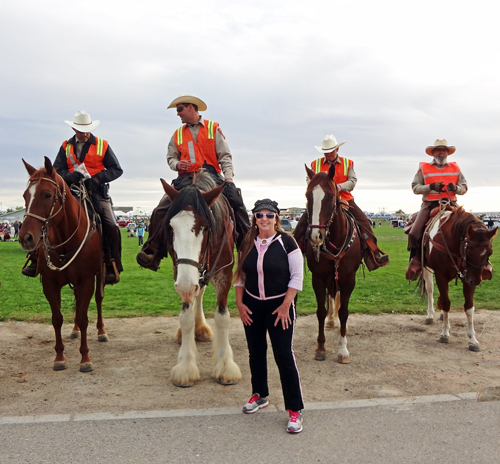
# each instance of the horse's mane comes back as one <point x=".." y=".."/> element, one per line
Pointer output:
<point x="322" y="179"/>
<point x="461" y="222"/>
<point x="191" y="197"/>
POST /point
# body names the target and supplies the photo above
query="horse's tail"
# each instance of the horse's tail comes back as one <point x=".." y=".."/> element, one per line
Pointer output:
<point x="421" y="288"/>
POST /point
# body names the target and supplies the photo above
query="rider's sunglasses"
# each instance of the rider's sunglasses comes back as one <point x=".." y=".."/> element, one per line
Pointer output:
<point x="180" y="108"/>
<point x="268" y="215"/>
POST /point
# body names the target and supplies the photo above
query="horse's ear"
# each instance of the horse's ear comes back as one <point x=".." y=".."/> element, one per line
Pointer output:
<point x="310" y="172"/>
<point x="331" y="172"/>
<point x="169" y="190"/>
<point x="211" y="196"/>
<point x="29" y="168"/>
<point x="48" y="166"/>
<point x="493" y="232"/>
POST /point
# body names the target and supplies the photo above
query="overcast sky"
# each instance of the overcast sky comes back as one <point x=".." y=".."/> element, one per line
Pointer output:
<point x="388" y="77"/>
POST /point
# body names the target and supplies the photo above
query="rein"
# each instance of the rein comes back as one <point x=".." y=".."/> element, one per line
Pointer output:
<point x="47" y="246"/>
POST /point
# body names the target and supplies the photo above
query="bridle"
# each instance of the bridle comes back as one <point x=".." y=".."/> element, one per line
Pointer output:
<point x="47" y="246"/>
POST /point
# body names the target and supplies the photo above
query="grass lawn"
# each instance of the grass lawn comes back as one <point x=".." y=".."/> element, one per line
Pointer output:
<point x="145" y="293"/>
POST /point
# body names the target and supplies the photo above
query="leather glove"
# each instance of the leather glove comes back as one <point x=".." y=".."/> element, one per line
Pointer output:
<point x="451" y="187"/>
<point x="437" y="186"/>
<point x="75" y="177"/>
<point x="92" y="184"/>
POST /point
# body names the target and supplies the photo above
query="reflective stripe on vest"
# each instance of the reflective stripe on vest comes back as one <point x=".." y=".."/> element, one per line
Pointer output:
<point x="446" y="175"/>
<point x="210" y="128"/>
<point x="179" y="135"/>
<point x="319" y="162"/>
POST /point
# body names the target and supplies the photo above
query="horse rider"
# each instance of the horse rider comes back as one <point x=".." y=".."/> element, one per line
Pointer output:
<point x="85" y="153"/>
<point x="436" y="180"/>
<point x="346" y="180"/>
<point x="199" y="143"/>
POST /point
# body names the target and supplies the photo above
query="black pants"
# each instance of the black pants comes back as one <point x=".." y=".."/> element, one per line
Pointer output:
<point x="282" y="343"/>
<point x="112" y="239"/>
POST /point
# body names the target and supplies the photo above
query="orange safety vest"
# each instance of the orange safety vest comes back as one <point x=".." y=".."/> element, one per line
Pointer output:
<point x="445" y="175"/>
<point x="93" y="158"/>
<point x="341" y="171"/>
<point x="200" y="151"/>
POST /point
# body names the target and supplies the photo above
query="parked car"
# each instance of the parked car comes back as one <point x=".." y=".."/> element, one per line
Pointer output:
<point x="293" y="223"/>
<point x="285" y="225"/>
<point x="123" y="222"/>
<point x="131" y="226"/>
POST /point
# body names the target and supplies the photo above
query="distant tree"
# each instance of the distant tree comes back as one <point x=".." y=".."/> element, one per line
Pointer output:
<point x="9" y="210"/>
<point x="400" y="211"/>
<point x="19" y="207"/>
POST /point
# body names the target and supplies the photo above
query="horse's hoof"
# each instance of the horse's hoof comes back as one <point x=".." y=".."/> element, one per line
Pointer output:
<point x="429" y="321"/>
<point x="320" y="356"/>
<point x="203" y="338"/>
<point x="183" y="385"/>
<point x="103" y="338"/>
<point x="474" y="348"/>
<point x="74" y="334"/>
<point x="86" y="367"/>
<point x="226" y="382"/>
<point x="444" y="340"/>
<point x="329" y="325"/>
<point x="59" y="366"/>
<point x="344" y="359"/>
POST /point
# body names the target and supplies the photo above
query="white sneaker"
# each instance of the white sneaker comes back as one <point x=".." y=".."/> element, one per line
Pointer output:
<point x="295" y="422"/>
<point x="255" y="403"/>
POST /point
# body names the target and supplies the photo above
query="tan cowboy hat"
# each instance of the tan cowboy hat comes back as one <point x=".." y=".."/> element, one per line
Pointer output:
<point x="188" y="98"/>
<point x="440" y="143"/>
<point x="329" y="144"/>
<point x="82" y="122"/>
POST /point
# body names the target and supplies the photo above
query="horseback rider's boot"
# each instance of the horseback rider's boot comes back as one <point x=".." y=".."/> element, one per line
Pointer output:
<point x="373" y="256"/>
<point x="31" y="270"/>
<point x="487" y="272"/>
<point x="300" y="232"/>
<point x="233" y="195"/>
<point x="415" y="266"/>
<point x="112" y="273"/>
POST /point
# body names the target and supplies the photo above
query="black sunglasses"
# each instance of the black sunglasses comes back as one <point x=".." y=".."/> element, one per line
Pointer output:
<point x="260" y="215"/>
<point x="180" y="108"/>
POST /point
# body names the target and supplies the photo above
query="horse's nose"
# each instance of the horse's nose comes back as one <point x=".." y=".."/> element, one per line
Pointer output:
<point x="187" y="292"/>
<point x="316" y="236"/>
<point x="26" y="241"/>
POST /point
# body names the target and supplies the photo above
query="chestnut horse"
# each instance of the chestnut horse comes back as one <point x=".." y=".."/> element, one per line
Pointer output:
<point x="201" y="245"/>
<point x="333" y="255"/>
<point x="58" y="227"/>
<point x="456" y="245"/>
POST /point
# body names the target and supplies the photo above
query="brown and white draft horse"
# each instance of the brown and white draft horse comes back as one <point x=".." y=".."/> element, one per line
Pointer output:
<point x="200" y="242"/>
<point x="456" y="245"/>
<point x="333" y="255"/>
<point x="58" y="226"/>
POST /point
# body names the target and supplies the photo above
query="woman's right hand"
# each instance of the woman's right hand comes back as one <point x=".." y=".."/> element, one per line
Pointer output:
<point x="245" y="312"/>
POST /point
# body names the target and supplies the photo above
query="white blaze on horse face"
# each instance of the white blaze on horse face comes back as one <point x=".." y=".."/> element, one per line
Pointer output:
<point x="318" y="195"/>
<point x="187" y="245"/>
<point x="31" y="192"/>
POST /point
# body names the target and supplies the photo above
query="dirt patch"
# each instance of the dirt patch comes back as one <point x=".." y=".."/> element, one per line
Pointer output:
<point x="391" y="355"/>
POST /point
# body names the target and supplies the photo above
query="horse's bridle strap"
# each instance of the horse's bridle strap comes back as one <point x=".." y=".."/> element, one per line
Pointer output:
<point x="190" y="262"/>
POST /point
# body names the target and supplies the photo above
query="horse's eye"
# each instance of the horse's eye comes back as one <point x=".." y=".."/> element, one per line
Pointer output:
<point x="47" y="195"/>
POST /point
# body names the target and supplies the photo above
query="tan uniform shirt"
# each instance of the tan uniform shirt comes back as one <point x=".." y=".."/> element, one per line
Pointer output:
<point x="224" y="156"/>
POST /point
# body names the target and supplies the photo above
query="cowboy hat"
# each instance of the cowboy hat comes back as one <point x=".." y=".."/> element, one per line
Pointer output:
<point x="329" y="144"/>
<point x="188" y="98"/>
<point x="82" y="122"/>
<point x="440" y="143"/>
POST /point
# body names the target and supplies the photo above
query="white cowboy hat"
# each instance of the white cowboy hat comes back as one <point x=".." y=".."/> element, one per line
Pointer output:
<point x="188" y="98"/>
<point x="82" y="122"/>
<point x="440" y="143"/>
<point x="329" y="144"/>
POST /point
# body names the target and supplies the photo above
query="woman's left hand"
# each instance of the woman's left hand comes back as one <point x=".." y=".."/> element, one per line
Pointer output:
<point x="283" y="315"/>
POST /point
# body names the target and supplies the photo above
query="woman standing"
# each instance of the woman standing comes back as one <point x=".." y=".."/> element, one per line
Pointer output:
<point x="268" y="276"/>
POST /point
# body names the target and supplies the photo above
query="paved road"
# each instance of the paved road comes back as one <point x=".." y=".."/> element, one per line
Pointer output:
<point x="443" y="429"/>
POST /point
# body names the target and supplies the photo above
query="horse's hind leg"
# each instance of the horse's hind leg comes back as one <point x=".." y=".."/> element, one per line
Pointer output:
<point x="225" y="370"/>
<point x="186" y="371"/>
<point x="469" y="312"/>
<point x="444" y="304"/>
<point x="333" y="312"/>
<point x="102" y="336"/>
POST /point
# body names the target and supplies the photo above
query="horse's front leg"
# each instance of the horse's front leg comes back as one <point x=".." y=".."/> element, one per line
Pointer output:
<point x="202" y="331"/>
<point x="53" y="295"/>
<point x="83" y="294"/>
<point x="186" y="372"/>
<point x="225" y="370"/>
<point x="429" y="288"/>
<point x="320" y="292"/>
<point x="468" y="291"/>
<point x="444" y="304"/>
<point x="344" y="356"/>
<point x="102" y="336"/>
